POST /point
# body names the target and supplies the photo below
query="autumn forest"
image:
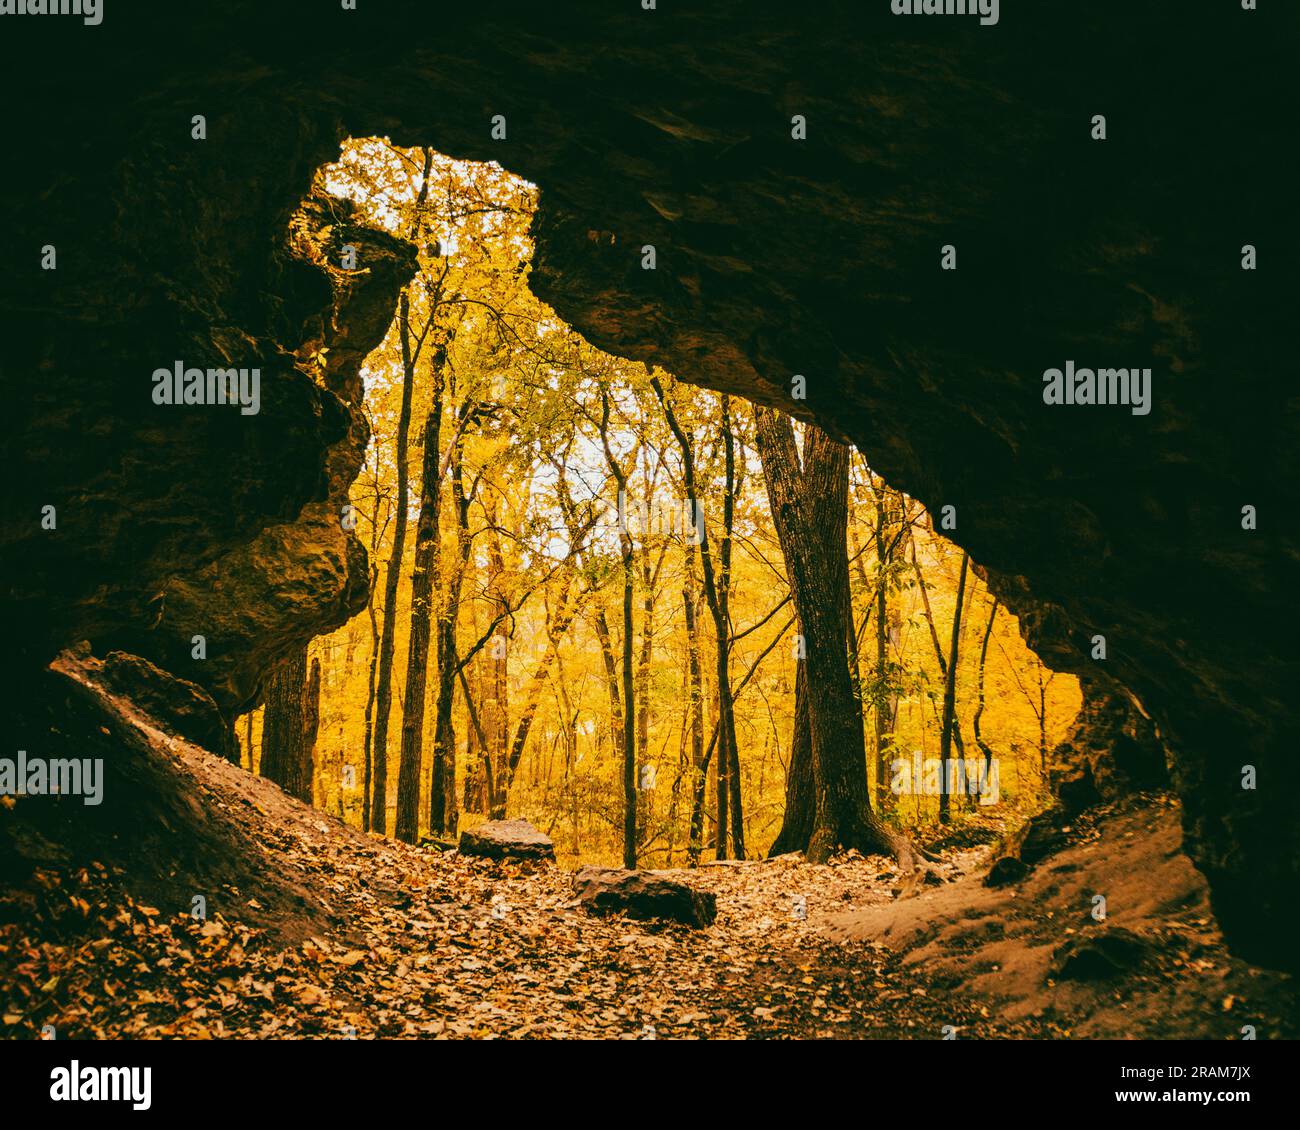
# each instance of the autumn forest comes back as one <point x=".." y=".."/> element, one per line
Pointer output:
<point x="582" y="608"/>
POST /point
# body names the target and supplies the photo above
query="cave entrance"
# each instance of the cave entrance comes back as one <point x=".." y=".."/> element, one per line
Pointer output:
<point x="525" y="498"/>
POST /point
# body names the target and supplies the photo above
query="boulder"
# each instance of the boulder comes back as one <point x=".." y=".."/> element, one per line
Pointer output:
<point x="1006" y="871"/>
<point x="1098" y="955"/>
<point x="507" y="839"/>
<point x="644" y="894"/>
<point x="183" y="707"/>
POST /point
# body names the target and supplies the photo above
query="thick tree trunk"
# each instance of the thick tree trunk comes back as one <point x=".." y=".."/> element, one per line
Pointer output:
<point x="290" y="723"/>
<point x="810" y="511"/>
<point x="303" y="785"/>
<point x="444" y="814"/>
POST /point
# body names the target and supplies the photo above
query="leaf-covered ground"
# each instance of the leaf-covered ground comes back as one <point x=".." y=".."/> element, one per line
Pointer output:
<point x="367" y="937"/>
<point x="432" y="944"/>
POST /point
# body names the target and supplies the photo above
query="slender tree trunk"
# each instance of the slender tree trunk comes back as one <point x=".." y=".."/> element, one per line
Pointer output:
<point x="604" y="637"/>
<point x="555" y="633"/>
<point x="984" y="747"/>
<point x="942" y="661"/>
<point x="497" y="712"/>
<point x="443" y="801"/>
<point x="726" y="697"/>
<point x="950" y="694"/>
<point x="427" y="533"/>
<point x="629" y="692"/>
<point x="800" y="795"/>
<point x="715" y="595"/>
<point x="695" y="708"/>
<point x="368" y="771"/>
<point x="629" y="715"/>
<point x="882" y="651"/>
<point x="479" y="776"/>
<point x="649" y="577"/>
<point x="384" y="686"/>
<point x="368" y="767"/>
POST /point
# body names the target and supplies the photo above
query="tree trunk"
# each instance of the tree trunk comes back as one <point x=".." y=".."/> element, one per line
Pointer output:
<point x="695" y="708"/>
<point x="555" y="633"/>
<point x="629" y="695"/>
<point x="290" y="723"/>
<point x="479" y="776"/>
<point x="368" y="768"/>
<point x="443" y="801"/>
<point x="497" y="702"/>
<point x="984" y="747"/>
<point x="384" y="686"/>
<point x="427" y="533"/>
<point x="726" y="699"/>
<point x="879" y="699"/>
<point x="715" y="595"/>
<point x="800" y="796"/>
<point x="304" y="782"/>
<point x="603" y="635"/>
<point x="950" y="694"/>
<point x="934" y="640"/>
<point x="810" y="511"/>
<point x="629" y="716"/>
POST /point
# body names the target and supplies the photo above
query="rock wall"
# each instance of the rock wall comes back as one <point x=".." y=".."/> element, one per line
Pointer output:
<point x="776" y="257"/>
<point x="265" y="599"/>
